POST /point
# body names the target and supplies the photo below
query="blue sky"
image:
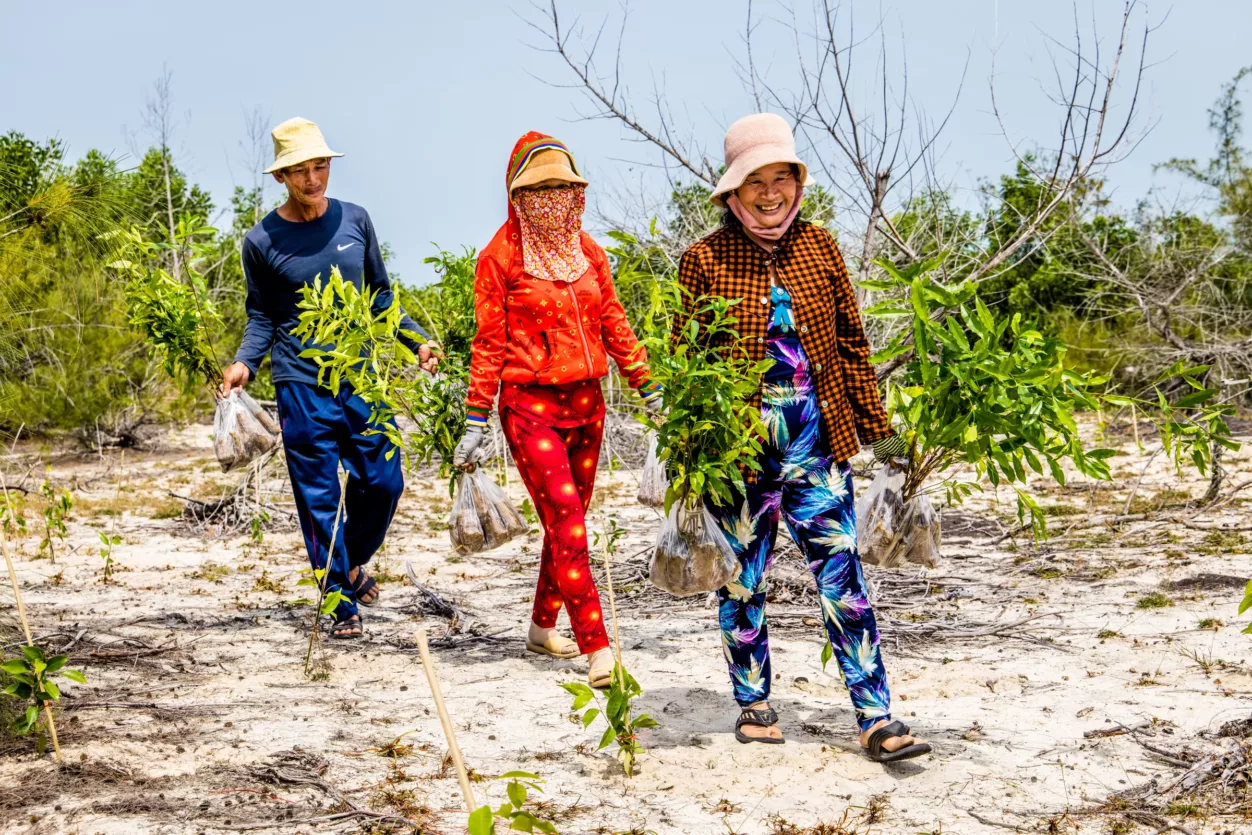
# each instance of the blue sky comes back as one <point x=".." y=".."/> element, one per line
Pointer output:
<point x="426" y="99"/>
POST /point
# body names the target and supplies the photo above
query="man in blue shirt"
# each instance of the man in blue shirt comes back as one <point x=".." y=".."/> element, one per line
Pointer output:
<point x="305" y="237"/>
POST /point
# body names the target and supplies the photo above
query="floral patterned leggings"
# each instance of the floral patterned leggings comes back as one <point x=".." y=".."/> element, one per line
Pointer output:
<point x="799" y="483"/>
<point x="559" y="468"/>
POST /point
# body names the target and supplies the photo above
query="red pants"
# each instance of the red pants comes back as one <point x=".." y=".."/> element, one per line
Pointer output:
<point x="559" y="468"/>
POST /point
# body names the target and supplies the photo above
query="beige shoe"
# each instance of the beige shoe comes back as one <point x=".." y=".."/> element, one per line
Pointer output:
<point x="600" y="676"/>
<point x="556" y="646"/>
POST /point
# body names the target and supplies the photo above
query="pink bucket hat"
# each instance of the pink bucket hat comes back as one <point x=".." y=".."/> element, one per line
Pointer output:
<point x="754" y="142"/>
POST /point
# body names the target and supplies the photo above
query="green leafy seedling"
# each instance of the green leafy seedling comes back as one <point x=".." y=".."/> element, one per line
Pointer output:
<point x="58" y="506"/>
<point x="32" y="683"/>
<point x="482" y="821"/>
<point x="108" y="541"/>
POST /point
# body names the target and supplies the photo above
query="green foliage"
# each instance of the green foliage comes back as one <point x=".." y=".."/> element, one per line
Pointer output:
<point x="1245" y="605"/>
<point x="1192" y="422"/>
<point x="707" y="425"/>
<point x="614" y="707"/>
<point x="108" y="541"/>
<point x="57" y="507"/>
<point x="355" y="344"/>
<point x="985" y="391"/>
<point x="31" y="676"/>
<point x="329" y="600"/>
<point x="482" y="821"/>
<point x="68" y="358"/>
<point x="175" y="317"/>
<point x="447" y="305"/>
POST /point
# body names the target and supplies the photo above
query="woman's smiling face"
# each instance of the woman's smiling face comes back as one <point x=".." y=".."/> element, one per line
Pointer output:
<point x="768" y="193"/>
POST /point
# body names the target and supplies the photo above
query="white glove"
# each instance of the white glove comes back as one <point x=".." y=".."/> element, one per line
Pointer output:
<point x="466" y="450"/>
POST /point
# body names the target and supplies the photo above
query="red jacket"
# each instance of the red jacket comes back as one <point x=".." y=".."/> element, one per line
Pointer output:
<point x="537" y="332"/>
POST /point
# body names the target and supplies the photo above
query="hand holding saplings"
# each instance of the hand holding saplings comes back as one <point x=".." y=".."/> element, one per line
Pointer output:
<point x="234" y="377"/>
<point x="428" y="356"/>
<point x="464" y="454"/>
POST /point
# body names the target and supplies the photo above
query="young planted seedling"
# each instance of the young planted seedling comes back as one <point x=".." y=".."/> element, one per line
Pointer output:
<point x="12" y="520"/>
<point x="107" y="542"/>
<point x="32" y="684"/>
<point x="327" y="601"/>
<point x="58" y="506"/>
<point x="614" y="707"/>
<point x="482" y="821"/>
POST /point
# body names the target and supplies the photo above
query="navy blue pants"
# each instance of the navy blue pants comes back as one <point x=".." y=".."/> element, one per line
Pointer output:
<point x="320" y="432"/>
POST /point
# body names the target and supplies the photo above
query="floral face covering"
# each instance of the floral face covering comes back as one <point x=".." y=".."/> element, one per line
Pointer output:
<point x="551" y="221"/>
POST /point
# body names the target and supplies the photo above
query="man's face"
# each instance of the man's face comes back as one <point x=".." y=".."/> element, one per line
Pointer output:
<point x="306" y="182"/>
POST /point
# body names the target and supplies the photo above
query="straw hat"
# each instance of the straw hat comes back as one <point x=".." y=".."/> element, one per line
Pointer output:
<point x="546" y="163"/>
<point x="754" y="142"/>
<point x="298" y="140"/>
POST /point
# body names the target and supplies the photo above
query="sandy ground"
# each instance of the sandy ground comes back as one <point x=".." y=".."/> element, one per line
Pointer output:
<point x="197" y="716"/>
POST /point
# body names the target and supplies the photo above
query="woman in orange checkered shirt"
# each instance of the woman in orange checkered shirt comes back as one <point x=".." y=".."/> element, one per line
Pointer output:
<point x="819" y="402"/>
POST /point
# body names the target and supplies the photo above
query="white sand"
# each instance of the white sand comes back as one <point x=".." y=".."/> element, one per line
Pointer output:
<point x="1006" y="714"/>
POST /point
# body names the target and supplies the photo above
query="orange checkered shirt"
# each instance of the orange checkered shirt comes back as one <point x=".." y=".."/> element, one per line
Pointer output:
<point x="727" y="263"/>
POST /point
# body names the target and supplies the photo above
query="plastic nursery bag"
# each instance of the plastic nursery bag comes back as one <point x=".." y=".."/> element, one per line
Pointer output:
<point x="242" y="430"/>
<point x="891" y="532"/>
<point x="692" y="555"/>
<point x="482" y="516"/>
<point x="652" y="481"/>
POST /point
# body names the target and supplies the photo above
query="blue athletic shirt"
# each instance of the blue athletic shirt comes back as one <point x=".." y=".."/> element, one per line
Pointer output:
<point x="281" y="256"/>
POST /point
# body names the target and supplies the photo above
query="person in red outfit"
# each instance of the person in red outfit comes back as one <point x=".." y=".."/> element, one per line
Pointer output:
<point x="548" y="320"/>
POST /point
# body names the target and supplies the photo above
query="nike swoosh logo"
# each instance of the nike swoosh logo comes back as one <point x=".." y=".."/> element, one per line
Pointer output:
<point x="345" y="246"/>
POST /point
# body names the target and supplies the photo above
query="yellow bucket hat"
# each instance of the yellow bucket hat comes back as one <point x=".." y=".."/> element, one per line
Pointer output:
<point x="547" y="164"/>
<point x="298" y="140"/>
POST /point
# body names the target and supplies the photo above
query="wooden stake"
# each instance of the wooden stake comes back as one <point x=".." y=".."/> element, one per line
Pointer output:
<point x="608" y="581"/>
<point x="21" y="612"/>
<point x="321" y="586"/>
<point x="432" y="678"/>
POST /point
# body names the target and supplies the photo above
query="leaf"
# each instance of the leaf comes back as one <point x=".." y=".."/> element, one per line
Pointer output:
<point x="74" y="675"/>
<point x="482" y="822"/>
<point x="581" y="692"/>
<point x="590" y="716"/>
<point x="517" y="794"/>
<point x="828" y="652"/>
<point x="609" y="735"/>
<point x="1247" y="598"/>
<point x="14" y="667"/>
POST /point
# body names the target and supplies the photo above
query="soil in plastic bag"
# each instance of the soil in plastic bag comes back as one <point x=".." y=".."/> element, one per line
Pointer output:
<point x="482" y="516"/>
<point x="892" y="532"/>
<point x="652" y="481"/>
<point x="242" y="430"/>
<point x="692" y="555"/>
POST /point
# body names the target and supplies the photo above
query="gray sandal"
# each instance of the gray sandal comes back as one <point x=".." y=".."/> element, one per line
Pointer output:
<point x="761" y="718"/>
<point x="874" y="749"/>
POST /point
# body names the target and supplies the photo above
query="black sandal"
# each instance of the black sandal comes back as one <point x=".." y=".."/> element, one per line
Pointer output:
<point x="761" y="718"/>
<point x="363" y="585"/>
<point x="874" y="749"/>
<point x="343" y="628"/>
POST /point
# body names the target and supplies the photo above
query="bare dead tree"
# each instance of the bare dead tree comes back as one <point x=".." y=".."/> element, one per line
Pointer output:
<point x="158" y="119"/>
<point x="608" y="93"/>
<point x="255" y="150"/>
<point x="1090" y="136"/>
